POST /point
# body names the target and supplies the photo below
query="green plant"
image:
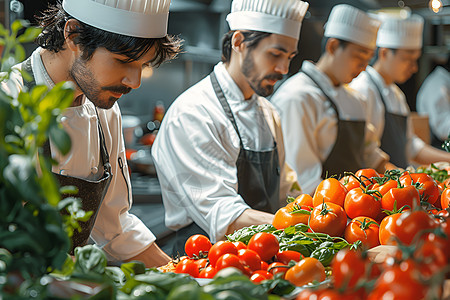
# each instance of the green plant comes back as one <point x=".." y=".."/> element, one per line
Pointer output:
<point x="34" y="236"/>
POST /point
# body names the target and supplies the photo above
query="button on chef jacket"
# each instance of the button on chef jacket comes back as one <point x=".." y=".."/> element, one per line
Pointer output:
<point x="309" y="123"/>
<point x="196" y="149"/>
<point x="120" y="234"/>
<point x="433" y="99"/>
<point x="395" y="103"/>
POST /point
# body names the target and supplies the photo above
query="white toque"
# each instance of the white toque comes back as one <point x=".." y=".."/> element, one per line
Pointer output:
<point x="273" y="16"/>
<point x="137" y="18"/>
<point x="353" y="25"/>
<point x="400" y="33"/>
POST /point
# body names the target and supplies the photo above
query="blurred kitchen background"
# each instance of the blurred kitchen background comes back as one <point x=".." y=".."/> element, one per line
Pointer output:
<point x="201" y="23"/>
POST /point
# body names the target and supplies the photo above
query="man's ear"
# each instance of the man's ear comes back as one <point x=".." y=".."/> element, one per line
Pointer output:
<point x="70" y="27"/>
<point x="237" y="41"/>
<point x="332" y="45"/>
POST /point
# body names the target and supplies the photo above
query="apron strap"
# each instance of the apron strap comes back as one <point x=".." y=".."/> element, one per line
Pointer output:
<point x="323" y="91"/>
<point x="225" y="105"/>
<point x="103" y="150"/>
<point x="377" y="86"/>
<point x="27" y="68"/>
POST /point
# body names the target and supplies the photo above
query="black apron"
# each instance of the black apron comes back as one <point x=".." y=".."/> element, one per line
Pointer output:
<point x="258" y="175"/>
<point x="435" y="141"/>
<point x="91" y="192"/>
<point x="347" y="154"/>
<point x="394" y="139"/>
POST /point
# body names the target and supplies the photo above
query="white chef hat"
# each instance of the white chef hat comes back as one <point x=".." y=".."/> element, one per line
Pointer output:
<point x="353" y="25"/>
<point x="138" y="18"/>
<point x="400" y="33"/>
<point x="273" y="16"/>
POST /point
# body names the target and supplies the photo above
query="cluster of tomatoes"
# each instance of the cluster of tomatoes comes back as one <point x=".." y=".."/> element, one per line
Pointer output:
<point x="365" y="206"/>
<point x="260" y="260"/>
<point x="414" y="271"/>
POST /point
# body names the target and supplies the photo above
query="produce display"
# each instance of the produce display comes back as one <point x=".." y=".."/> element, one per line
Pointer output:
<point x="334" y="236"/>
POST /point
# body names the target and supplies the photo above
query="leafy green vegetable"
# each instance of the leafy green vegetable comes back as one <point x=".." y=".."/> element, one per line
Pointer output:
<point x="245" y="234"/>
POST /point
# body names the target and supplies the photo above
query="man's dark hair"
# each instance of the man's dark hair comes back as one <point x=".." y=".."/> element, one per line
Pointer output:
<point x="342" y="43"/>
<point x="90" y="38"/>
<point x="252" y="38"/>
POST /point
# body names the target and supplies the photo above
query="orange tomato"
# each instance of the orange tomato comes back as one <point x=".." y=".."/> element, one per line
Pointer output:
<point x="387" y="230"/>
<point x="305" y="271"/>
<point x="363" y="229"/>
<point x="328" y="218"/>
<point x="329" y="190"/>
<point x="303" y="199"/>
<point x="445" y="198"/>
<point x="287" y="216"/>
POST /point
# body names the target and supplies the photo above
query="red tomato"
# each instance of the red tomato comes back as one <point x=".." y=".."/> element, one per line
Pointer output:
<point x="260" y="275"/>
<point x="208" y="272"/>
<point x="348" y="267"/>
<point x="396" y="282"/>
<point x="412" y="223"/>
<point x="328" y="218"/>
<point x="445" y="198"/>
<point x="265" y="244"/>
<point x="264" y="265"/>
<point x="290" y="216"/>
<point x="187" y="266"/>
<point x="387" y="229"/>
<point x="220" y="248"/>
<point x="428" y="188"/>
<point x="196" y="244"/>
<point x="430" y="258"/>
<point x="240" y="245"/>
<point x="359" y="203"/>
<point x="303" y="199"/>
<point x="330" y="190"/>
<point x="250" y="259"/>
<point x="305" y="271"/>
<point x="286" y="256"/>
<point x="277" y="267"/>
<point x="349" y="182"/>
<point x="363" y="229"/>
<point x="201" y="263"/>
<point x="129" y="152"/>
<point x="384" y="188"/>
<point x="229" y="260"/>
<point x="398" y="197"/>
<point x="310" y="294"/>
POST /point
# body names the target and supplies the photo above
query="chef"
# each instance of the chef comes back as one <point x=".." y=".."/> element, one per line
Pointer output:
<point x="321" y="117"/>
<point x="101" y="48"/>
<point x="219" y="153"/>
<point x="399" y="45"/>
<point x="433" y="100"/>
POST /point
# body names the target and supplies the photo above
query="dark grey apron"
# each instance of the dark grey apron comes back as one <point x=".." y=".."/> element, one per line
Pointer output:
<point x="435" y="141"/>
<point x="347" y="154"/>
<point x="258" y="175"/>
<point x="394" y="139"/>
<point x="91" y="192"/>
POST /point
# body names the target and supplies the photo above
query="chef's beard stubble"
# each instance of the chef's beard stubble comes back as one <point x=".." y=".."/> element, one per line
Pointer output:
<point x="249" y="70"/>
<point x="90" y="87"/>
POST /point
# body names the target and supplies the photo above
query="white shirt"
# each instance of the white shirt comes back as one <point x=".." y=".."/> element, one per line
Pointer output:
<point x="196" y="149"/>
<point x="433" y="99"/>
<point x="395" y="103"/>
<point x="309" y="123"/>
<point x="120" y="234"/>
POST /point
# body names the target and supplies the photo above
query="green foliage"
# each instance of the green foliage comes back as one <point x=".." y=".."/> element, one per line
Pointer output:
<point x="33" y="233"/>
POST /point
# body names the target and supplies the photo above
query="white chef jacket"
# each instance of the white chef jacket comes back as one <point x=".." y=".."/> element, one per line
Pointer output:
<point x="120" y="234"/>
<point x="196" y="149"/>
<point x="433" y="99"/>
<point x="309" y="123"/>
<point x="395" y="103"/>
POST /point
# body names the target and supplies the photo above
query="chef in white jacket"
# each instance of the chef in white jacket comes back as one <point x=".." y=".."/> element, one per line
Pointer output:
<point x="101" y="48"/>
<point x="399" y="45"/>
<point x="433" y="100"/>
<point x="219" y="153"/>
<point x="322" y="118"/>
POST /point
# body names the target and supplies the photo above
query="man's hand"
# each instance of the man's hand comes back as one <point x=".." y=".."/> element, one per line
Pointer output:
<point x="152" y="257"/>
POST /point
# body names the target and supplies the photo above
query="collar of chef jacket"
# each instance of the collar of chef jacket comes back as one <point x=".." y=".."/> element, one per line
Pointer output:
<point x="321" y="78"/>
